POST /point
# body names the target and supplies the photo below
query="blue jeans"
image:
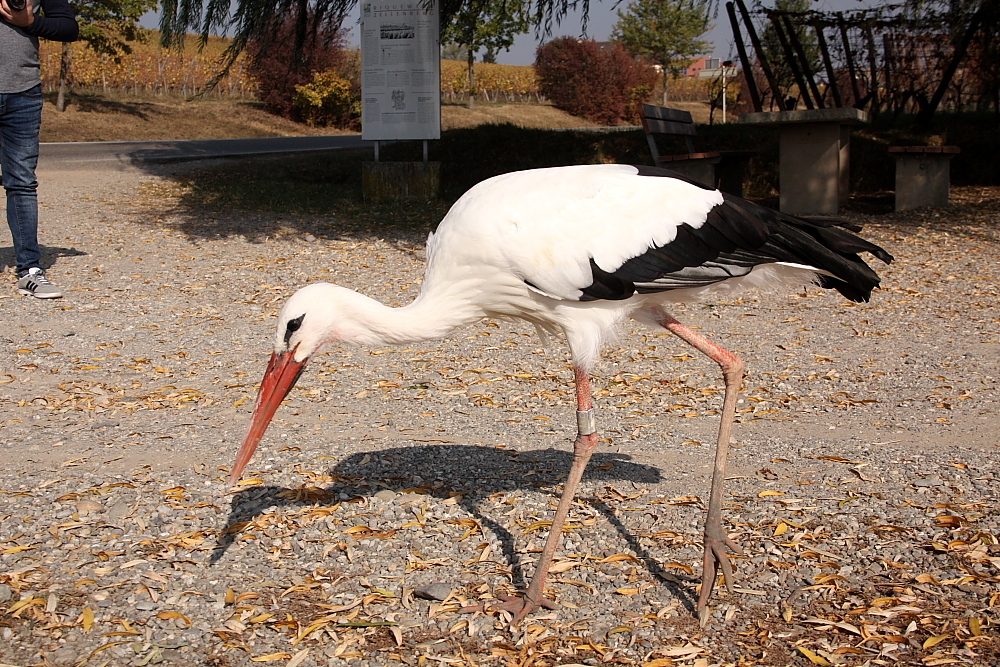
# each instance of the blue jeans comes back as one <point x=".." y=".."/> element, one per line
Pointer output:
<point x="20" y="121"/>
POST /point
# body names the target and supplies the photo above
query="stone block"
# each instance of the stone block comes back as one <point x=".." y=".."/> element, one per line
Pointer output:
<point x="814" y="168"/>
<point x="401" y="181"/>
<point x="815" y="157"/>
<point x="923" y="175"/>
<point x="848" y="116"/>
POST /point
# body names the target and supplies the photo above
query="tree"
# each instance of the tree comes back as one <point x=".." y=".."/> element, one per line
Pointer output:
<point x="246" y="20"/>
<point x="107" y="27"/>
<point x="971" y="27"/>
<point x="279" y="74"/>
<point x="665" y="32"/>
<point x="490" y="25"/>
<point x="602" y="85"/>
<point x="251" y="22"/>
<point x="770" y="42"/>
<point x="453" y="51"/>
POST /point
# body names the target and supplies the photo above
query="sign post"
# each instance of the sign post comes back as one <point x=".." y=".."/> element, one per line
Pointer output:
<point x="400" y="91"/>
<point x="727" y="71"/>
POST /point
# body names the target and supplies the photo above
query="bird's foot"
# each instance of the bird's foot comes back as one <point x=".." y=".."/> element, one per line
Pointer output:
<point x="716" y="558"/>
<point x="520" y="606"/>
<point x="517" y="606"/>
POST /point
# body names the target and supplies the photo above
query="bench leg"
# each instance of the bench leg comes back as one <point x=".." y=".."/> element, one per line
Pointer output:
<point x="729" y="175"/>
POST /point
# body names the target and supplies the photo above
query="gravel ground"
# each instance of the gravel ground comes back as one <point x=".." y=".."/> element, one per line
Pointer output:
<point x="863" y="482"/>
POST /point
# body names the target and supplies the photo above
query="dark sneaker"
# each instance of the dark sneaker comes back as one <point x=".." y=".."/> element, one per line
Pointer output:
<point x="34" y="283"/>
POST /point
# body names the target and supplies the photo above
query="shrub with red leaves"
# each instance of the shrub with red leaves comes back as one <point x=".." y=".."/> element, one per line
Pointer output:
<point x="278" y="71"/>
<point x="605" y="86"/>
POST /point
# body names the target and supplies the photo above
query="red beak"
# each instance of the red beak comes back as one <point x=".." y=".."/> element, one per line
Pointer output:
<point x="279" y="378"/>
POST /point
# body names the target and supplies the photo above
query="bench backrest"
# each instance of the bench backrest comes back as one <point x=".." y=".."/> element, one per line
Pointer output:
<point x="664" y="120"/>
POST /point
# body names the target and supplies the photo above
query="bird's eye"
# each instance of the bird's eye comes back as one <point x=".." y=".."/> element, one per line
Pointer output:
<point x="293" y="326"/>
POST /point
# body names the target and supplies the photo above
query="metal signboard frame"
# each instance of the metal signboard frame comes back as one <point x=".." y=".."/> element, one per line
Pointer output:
<point x="400" y="70"/>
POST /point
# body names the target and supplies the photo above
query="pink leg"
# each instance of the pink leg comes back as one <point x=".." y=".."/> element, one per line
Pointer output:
<point x="716" y="539"/>
<point x="584" y="446"/>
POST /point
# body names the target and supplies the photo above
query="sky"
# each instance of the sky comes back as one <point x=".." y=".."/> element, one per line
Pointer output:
<point x="603" y="16"/>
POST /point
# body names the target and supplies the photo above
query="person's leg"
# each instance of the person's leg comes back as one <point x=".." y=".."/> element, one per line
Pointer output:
<point x="20" y="121"/>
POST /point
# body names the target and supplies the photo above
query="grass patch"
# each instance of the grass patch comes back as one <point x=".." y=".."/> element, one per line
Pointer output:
<point x="107" y="118"/>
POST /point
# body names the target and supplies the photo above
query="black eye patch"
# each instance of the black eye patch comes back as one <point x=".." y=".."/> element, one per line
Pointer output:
<point x="293" y="326"/>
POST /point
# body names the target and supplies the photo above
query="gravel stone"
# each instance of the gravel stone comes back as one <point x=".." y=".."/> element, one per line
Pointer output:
<point x="889" y="518"/>
<point x="89" y="506"/>
<point x="435" y="591"/>
<point x="63" y="656"/>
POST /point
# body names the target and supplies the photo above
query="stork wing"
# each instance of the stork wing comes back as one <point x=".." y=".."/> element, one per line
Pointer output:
<point x="610" y="231"/>
<point x="551" y="226"/>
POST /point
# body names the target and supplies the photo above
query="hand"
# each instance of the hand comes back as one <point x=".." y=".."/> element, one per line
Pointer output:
<point x="22" y="18"/>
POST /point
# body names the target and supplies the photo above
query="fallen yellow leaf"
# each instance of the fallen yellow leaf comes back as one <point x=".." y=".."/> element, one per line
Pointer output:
<point x="21" y="603"/>
<point x="170" y="615"/>
<point x="271" y="657"/>
<point x="563" y="566"/>
<point x="815" y="659"/>
<point x="536" y="526"/>
<point x="680" y="566"/>
<point x="934" y="641"/>
<point x="88" y="619"/>
<point x="617" y="557"/>
<point x="16" y="550"/>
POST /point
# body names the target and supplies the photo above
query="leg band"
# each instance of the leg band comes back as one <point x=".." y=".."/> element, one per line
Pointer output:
<point x="585" y="422"/>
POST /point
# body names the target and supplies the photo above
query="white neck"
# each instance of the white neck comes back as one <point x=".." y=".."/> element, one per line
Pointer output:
<point x="429" y="316"/>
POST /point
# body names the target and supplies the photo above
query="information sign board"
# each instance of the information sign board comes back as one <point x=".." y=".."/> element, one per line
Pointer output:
<point x="400" y="70"/>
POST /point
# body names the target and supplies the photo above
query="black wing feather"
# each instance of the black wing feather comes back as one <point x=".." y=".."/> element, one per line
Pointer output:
<point x="736" y="236"/>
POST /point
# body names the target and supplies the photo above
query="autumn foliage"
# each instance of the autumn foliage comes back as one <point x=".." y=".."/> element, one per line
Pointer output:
<point x="495" y="83"/>
<point x="148" y="69"/>
<point x="279" y="72"/>
<point x="603" y="85"/>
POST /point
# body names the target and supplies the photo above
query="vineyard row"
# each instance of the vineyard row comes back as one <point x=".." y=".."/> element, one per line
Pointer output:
<point x="152" y="71"/>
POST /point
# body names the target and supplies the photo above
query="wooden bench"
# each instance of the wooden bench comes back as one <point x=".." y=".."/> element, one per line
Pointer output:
<point x="716" y="169"/>
<point x="923" y="175"/>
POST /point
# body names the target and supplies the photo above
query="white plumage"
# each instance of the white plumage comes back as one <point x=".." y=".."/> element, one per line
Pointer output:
<point x="547" y="224"/>
<point x="576" y="250"/>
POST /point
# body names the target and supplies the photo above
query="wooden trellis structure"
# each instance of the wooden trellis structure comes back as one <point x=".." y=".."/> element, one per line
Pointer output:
<point x="892" y="59"/>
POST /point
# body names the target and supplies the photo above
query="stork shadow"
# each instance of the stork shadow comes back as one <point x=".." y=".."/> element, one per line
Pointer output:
<point x="476" y="472"/>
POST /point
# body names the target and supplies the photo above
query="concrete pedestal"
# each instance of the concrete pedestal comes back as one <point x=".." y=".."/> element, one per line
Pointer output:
<point x="394" y="181"/>
<point x="700" y="171"/>
<point x="923" y="175"/>
<point x="814" y="157"/>
<point x="723" y="170"/>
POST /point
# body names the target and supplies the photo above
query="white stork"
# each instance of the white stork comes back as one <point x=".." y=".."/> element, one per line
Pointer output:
<point x="578" y="250"/>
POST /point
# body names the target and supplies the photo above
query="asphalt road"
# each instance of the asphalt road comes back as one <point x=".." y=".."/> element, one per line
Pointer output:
<point x="131" y="154"/>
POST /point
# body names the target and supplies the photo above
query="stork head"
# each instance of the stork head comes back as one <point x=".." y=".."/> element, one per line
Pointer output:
<point x="314" y="317"/>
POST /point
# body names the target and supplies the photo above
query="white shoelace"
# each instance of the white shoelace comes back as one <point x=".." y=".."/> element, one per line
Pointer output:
<point x="39" y="277"/>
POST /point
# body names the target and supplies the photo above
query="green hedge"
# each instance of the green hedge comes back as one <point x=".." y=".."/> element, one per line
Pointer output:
<point x="472" y="155"/>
